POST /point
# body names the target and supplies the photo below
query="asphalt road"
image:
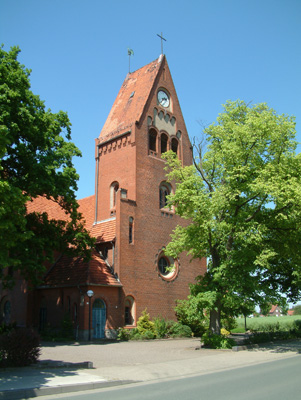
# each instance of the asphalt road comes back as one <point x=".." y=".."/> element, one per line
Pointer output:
<point x="276" y="380"/>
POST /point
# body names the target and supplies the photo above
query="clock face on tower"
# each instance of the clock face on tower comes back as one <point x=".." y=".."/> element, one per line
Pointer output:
<point x="163" y="98"/>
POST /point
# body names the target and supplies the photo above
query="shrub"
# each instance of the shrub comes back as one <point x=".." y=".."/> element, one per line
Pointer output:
<point x="217" y="341"/>
<point x="134" y="334"/>
<point x="296" y="328"/>
<point x="145" y="324"/>
<point x="123" y="334"/>
<point x="224" y="332"/>
<point x="187" y="313"/>
<point x="229" y="323"/>
<point x="179" y="330"/>
<point x="19" y="347"/>
<point x="161" y="327"/>
<point x="147" y="335"/>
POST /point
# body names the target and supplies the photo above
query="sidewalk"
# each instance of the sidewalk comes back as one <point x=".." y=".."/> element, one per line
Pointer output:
<point x="81" y="366"/>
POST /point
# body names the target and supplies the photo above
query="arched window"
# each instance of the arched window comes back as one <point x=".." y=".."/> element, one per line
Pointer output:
<point x="152" y="140"/>
<point x="129" y="311"/>
<point x="164" y="191"/>
<point x="113" y="194"/>
<point x="174" y="145"/>
<point x="131" y="230"/>
<point x="164" y="143"/>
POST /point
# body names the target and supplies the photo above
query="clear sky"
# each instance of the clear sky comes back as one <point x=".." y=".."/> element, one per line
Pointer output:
<point x="216" y="50"/>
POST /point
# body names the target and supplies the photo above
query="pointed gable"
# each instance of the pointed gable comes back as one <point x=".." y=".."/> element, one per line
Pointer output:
<point x="130" y="101"/>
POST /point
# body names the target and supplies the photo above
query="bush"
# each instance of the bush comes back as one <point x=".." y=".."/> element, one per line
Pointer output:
<point x="270" y="332"/>
<point x="229" y="323"/>
<point x="187" y="313"/>
<point x="147" y="335"/>
<point x="19" y="347"/>
<point x="224" y="332"/>
<point x="145" y="324"/>
<point x="296" y="328"/>
<point x="134" y="334"/>
<point x="179" y="330"/>
<point x="123" y="334"/>
<point x="161" y="327"/>
<point x="217" y="341"/>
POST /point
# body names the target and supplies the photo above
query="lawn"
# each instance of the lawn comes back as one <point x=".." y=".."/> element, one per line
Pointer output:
<point x="260" y="323"/>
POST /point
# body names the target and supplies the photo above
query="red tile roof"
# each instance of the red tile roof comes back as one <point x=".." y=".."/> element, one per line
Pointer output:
<point x="87" y="209"/>
<point x="273" y="309"/>
<point x="104" y="231"/>
<point x="130" y="101"/>
<point x="41" y="204"/>
<point x="68" y="271"/>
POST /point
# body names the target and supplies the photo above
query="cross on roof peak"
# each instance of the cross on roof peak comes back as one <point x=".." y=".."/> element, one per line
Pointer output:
<point x="162" y="38"/>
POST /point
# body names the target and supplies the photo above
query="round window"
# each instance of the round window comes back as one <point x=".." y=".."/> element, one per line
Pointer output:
<point x="168" y="268"/>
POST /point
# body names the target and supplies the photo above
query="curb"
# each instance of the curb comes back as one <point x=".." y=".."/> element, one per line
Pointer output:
<point x="18" y="394"/>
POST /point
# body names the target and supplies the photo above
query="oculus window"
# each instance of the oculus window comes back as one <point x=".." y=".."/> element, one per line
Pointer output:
<point x="168" y="268"/>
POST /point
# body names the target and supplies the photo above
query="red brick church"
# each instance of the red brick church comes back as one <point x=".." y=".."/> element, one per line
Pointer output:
<point x="129" y="218"/>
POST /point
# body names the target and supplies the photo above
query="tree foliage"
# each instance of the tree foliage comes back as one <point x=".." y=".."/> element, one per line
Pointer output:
<point x="242" y="197"/>
<point x="36" y="160"/>
<point x="297" y="310"/>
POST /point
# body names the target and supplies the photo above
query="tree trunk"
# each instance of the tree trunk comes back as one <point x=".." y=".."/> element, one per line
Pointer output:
<point x="215" y="321"/>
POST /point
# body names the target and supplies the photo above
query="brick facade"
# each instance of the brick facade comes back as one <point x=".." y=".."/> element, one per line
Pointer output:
<point x="126" y="217"/>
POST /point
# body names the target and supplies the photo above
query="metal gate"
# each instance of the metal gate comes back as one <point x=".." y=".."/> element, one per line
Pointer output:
<point x="98" y="319"/>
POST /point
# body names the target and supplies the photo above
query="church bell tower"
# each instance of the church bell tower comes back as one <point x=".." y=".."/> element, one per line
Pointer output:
<point x="145" y="121"/>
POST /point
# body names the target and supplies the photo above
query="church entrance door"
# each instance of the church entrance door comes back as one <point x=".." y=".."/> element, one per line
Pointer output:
<point x="98" y="319"/>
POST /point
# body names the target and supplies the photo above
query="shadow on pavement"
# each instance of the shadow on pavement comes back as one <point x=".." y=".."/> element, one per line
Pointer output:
<point x="281" y="347"/>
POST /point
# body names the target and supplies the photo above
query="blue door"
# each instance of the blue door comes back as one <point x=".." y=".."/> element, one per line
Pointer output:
<point x="98" y="319"/>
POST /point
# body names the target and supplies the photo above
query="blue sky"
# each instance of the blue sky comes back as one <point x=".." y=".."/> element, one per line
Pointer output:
<point x="216" y="50"/>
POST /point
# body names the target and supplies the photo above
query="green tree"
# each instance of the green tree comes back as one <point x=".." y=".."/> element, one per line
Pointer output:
<point x="265" y="309"/>
<point x="36" y="160"/>
<point x="242" y="198"/>
<point x="297" y="310"/>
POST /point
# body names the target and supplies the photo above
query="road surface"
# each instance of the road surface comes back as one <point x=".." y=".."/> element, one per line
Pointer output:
<point x="276" y="380"/>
